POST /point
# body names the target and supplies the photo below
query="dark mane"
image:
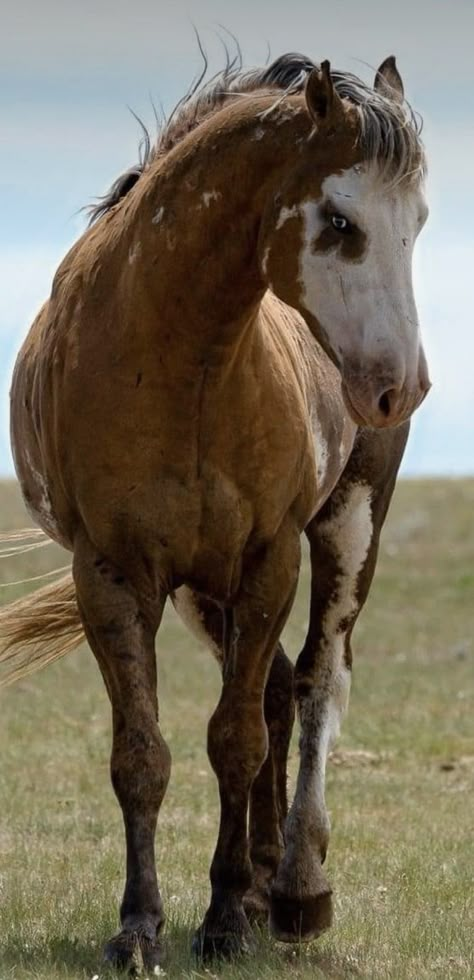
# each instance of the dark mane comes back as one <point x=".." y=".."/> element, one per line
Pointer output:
<point x="390" y="132"/>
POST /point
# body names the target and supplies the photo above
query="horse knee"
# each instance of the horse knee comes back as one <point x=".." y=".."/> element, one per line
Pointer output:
<point x="140" y="766"/>
<point x="279" y="703"/>
<point x="237" y="741"/>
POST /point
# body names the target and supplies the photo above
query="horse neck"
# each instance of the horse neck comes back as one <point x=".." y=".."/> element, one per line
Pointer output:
<point x="196" y="224"/>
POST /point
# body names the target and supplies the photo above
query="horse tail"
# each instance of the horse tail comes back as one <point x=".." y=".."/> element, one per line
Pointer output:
<point x="39" y="629"/>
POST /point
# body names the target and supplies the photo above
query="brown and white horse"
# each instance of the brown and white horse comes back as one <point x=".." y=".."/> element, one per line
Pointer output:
<point x="229" y="357"/>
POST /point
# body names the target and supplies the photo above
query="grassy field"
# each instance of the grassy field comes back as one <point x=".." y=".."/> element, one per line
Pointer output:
<point x="399" y="787"/>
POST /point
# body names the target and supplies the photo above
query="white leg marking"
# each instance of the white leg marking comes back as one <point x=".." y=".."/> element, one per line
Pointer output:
<point x="349" y="534"/>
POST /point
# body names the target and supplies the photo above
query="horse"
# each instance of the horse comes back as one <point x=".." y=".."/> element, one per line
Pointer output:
<point x="229" y="358"/>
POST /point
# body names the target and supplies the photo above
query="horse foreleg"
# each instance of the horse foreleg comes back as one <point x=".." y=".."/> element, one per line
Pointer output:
<point x="268" y="797"/>
<point x="121" y="630"/>
<point x="238" y="738"/>
<point x="344" y="543"/>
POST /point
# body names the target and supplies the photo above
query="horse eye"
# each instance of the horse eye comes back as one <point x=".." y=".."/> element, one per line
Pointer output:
<point x="340" y="223"/>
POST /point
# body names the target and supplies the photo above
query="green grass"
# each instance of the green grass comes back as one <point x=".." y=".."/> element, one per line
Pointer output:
<point x="399" y="786"/>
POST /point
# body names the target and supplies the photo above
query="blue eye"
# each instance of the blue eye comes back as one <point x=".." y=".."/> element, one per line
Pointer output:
<point x="340" y="223"/>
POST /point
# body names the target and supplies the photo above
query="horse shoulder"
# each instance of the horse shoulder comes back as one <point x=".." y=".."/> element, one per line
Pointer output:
<point x="317" y="402"/>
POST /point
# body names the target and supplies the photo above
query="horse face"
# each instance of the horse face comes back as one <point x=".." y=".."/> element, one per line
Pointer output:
<point x="337" y="245"/>
<point x="352" y="282"/>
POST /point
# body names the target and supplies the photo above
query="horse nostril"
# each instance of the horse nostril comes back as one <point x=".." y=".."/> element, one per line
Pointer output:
<point x="385" y="403"/>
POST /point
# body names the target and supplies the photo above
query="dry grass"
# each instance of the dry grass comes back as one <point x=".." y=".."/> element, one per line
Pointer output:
<point x="399" y="789"/>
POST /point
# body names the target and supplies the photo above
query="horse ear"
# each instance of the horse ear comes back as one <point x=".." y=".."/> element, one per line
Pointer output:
<point x="322" y="100"/>
<point x="388" y="80"/>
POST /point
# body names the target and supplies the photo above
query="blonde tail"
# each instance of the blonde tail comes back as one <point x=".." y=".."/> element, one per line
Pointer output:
<point x="38" y="629"/>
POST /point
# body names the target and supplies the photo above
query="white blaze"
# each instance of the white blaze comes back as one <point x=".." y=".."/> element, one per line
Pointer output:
<point x="364" y="305"/>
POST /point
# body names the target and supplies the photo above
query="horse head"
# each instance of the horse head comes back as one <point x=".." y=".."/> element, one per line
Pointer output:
<point x="337" y="240"/>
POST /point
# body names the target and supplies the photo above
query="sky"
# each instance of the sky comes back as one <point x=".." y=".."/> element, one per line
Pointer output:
<point x="70" y="70"/>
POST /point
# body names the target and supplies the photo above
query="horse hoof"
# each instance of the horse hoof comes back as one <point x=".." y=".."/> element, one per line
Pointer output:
<point x="208" y="945"/>
<point x="294" y="920"/>
<point x="119" y="952"/>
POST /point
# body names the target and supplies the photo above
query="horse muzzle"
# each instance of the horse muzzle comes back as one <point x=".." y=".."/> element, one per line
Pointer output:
<point x="382" y="403"/>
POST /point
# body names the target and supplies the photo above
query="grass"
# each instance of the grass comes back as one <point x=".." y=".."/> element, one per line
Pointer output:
<point x="399" y="786"/>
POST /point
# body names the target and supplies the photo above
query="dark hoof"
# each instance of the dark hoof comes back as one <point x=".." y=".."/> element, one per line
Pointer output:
<point x="294" y="920"/>
<point x="256" y="903"/>
<point x="119" y="952"/>
<point x="211" y="945"/>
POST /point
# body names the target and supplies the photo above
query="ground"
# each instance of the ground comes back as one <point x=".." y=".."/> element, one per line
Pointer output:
<point x="399" y="785"/>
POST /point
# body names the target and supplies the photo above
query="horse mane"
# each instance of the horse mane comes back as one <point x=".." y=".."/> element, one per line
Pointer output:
<point x="390" y="131"/>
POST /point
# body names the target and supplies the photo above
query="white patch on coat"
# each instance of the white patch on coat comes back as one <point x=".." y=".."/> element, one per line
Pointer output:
<point x="209" y="196"/>
<point x="265" y="258"/>
<point x="158" y="215"/>
<point x="188" y="611"/>
<point x="259" y="133"/>
<point x="365" y="306"/>
<point x="286" y="214"/>
<point x="347" y="442"/>
<point x="134" y="252"/>
<point x="321" y="450"/>
<point x="42" y="512"/>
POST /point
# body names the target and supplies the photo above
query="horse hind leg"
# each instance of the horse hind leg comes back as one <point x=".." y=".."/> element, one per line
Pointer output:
<point x="268" y="796"/>
<point x="121" y="630"/>
<point x="344" y="543"/>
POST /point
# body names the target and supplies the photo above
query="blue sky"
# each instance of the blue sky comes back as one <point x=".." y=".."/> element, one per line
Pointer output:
<point x="68" y="71"/>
